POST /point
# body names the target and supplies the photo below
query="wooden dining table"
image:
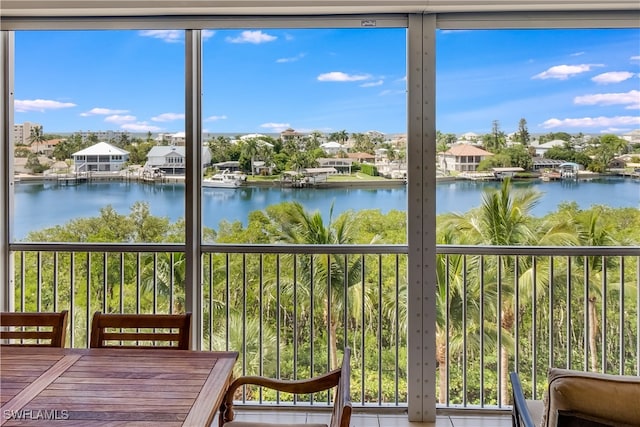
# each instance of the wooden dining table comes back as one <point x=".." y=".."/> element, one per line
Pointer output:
<point x="111" y="386"/>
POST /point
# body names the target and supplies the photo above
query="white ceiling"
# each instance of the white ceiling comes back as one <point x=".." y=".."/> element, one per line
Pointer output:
<point x="89" y="8"/>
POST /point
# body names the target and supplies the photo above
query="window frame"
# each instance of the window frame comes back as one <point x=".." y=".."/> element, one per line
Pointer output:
<point x="421" y="55"/>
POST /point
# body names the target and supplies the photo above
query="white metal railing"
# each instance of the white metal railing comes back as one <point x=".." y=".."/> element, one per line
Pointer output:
<point x="286" y="309"/>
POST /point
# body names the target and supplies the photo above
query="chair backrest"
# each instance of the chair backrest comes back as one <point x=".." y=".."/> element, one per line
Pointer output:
<point x="34" y="329"/>
<point x="341" y="416"/>
<point x="166" y="331"/>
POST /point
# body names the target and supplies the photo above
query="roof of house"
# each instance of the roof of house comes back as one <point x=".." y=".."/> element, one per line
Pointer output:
<point x="101" y="148"/>
<point x="553" y="143"/>
<point x="163" y="150"/>
<point x="331" y="144"/>
<point x="466" y="150"/>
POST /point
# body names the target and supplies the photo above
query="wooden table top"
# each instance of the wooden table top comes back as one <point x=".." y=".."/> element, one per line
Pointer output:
<point x="112" y="387"/>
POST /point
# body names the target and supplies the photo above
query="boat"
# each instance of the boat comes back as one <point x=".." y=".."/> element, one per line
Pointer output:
<point x="224" y="179"/>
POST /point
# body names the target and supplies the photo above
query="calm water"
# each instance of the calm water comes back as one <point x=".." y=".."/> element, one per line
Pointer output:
<point x="41" y="205"/>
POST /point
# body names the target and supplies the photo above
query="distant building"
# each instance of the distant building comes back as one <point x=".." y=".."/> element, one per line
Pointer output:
<point x="462" y="158"/>
<point x="171" y="159"/>
<point x="540" y="163"/>
<point x="542" y="149"/>
<point x="47" y="147"/>
<point x="470" y="136"/>
<point x="632" y="137"/>
<point x="332" y="147"/>
<point x="362" y="157"/>
<point x="375" y="135"/>
<point x="290" y="135"/>
<point x="100" y="157"/>
<point x="22" y="132"/>
<point x="339" y="164"/>
<point x="103" y="135"/>
<point x="230" y="165"/>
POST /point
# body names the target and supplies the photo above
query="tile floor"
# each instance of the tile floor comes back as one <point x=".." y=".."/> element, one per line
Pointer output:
<point x="451" y="419"/>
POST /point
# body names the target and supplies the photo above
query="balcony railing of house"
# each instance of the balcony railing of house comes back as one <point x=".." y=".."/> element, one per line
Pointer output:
<point x="289" y="309"/>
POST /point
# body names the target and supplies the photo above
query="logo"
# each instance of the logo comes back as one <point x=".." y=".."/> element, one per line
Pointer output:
<point x="36" y="414"/>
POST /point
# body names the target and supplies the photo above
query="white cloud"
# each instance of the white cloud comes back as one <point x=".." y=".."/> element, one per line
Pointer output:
<point x="141" y="127"/>
<point x="102" y="112"/>
<point x="631" y="99"/>
<point x="393" y="92"/>
<point x="338" y="76"/>
<point x="593" y="122"/>
<point x="577" y="54"/>
<point x="116" y="118"/>
<point x="291" y="59"/>
<point x="169" y="36"/>
<point x="372" y="84"/>
<point x="255" y="37"/>
<point x="612" y="77"/>
<point x="276" y="127"/>
<point x="615" y="130"/>
<point x="635" y="58"/>
<point x="168" y="117"/>
<point x="207" y="34"/>
<point x="563" y="72"/>
<point x="215" y="118"/>
<point x="42" y="105"/>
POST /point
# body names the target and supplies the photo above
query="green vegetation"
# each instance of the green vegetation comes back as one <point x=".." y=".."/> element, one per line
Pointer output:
<point x="311" y="304"/>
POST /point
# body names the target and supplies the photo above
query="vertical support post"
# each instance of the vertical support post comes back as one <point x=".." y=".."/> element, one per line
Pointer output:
<point x="6" y="168"/>
<point x="193" y="182"/>
<point x="421" y="237"/>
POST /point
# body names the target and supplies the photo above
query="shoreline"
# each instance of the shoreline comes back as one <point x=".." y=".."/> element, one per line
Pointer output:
<point x="381" y="183"/>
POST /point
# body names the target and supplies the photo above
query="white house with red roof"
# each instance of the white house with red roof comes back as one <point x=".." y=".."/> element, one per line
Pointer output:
<point x="462" y="158"/>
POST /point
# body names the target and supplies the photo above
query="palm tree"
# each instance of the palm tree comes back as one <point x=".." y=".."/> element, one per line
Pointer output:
<point x="37" y="137"/>
<point x="594" y="233"/>
<point x="504" y="219"/>
<point x="335" y="273"/>
<point x="250" y="148"/>
<point x="457" y="311"/>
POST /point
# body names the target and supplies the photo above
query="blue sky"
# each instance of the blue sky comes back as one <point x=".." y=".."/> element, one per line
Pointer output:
<point x="329" y="80"/>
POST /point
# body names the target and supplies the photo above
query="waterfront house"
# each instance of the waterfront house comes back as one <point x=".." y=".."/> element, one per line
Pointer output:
<point x="100" y="157"/>
<point x="170" y="159"/>
<point x="230" y="165"/>
<point x="362" y="157"/>
<point x="507" y="172"/>
<point x="462" y="158"/>
<point x="339" y="164"/>
<point x="542" y="149"/>
<point x="540" y="163"/>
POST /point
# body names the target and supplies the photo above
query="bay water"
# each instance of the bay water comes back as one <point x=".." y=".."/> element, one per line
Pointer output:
<point x="39" y="205"/>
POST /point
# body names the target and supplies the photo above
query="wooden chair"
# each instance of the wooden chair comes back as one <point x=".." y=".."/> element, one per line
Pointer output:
<point x="341" y="415"/>
<point x="166" y="331"/>
<point x="34" y="329"/>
